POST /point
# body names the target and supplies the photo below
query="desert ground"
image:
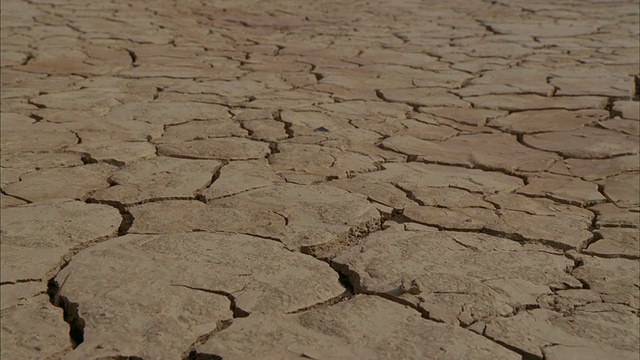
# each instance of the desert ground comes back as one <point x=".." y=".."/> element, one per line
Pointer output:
<point x="216" y="179"/>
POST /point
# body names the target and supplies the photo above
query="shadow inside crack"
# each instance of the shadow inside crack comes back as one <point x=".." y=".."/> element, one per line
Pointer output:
<point x="70" y="311"/>
<point x="196" y="356"/>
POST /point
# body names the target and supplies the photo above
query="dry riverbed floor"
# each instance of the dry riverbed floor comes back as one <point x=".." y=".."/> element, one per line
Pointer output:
<point x="320" y="179"/>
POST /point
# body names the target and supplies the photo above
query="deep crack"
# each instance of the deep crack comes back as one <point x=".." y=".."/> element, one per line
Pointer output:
<point x="235" y="310"/>
<point x="70" y="311"/>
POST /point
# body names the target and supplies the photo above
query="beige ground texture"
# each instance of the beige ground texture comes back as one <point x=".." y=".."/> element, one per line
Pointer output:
<point x="230" y="179"/>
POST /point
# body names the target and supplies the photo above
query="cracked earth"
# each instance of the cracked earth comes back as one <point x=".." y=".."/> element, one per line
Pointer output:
<point x="321" y="179"/>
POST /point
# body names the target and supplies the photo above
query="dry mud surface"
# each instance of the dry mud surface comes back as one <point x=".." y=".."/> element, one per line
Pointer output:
<point x="320" y="179"/>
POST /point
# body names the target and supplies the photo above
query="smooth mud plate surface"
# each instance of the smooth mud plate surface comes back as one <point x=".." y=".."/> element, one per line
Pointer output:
<point x="321" y="179"/>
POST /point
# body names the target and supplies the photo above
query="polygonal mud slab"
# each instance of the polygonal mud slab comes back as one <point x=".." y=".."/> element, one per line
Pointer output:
<point x="448" y="79"/>
<point x="391" y="56"/>
<point x="20" y="133"/>
<point x="346" y="94"/>
<point x="484" y="48"/>
<point x="315" y="120"/>
<point x="293" y="99"/>
<point x="167" y="113"/>
<point x="628" y="109"/>
<point x="445" y="197"/>
<point x="34" y="329"/>
<point x="631" y="127"/>
<point x="531" y="332"/>
<point x="153" y="296"/>
<point x="36" y="237"/>
<point x="563" y="189"/>
<point x="542" y="220"/>
<point x="562" y="28"/>
<point x="216" y="148"/>
<point x="366" y="109"/>
<point x="380" y="192"/>
<point x="460" y="219"/>
<point x="431" y="151"/>
<point x="192" y="216"/>
<point x="624" y="189"/>
<point x="608" y="324"/>
<point x="616" y="242"/>
<point x="598" y="274"/>
<point x="12" y="294"/>
<point x="424" y="97"/>
<point x="198" y="130"/>
<point x="475" y="117"/>
<point x="365" y="327"/>
<point x="11" y="58"/>
<point x="505" y="153"/>
<point x="604" y="86"/>
<point x="232" y="90"/>
<point x="321" y="160"/>
<point x="114" y="152"/>
<point x="424" y="131"/>
<point x="74" y="118"/>
<point x="315" y="219"/>
<point x="82" y="99"/>
<point x="40" y="160"/>
<point x="527" y="122"/>
<point x="363" y="80"/>
<point x="118" y="130"/>
<point x="516" y="80"/>
<point x="240" y="176"/>
<point x="429" y="175"/>
<point x="357" y="141"/>
<point x="535" y="102"/>
<point x="193" y="71"/>
<point x="610" y="215"/>
<point x="585" y="143"/>
<point x="158" y="178"/>
<point x="566" y="301"/>
<point x="136" y="89"/>
<point x="514" y="216"/>
<point x="454" y="277"/>
<point x="320" y="218"/>
<point x="382" y="126"/>
<point x="596" y="169"/>
<point x="62" y="183"/>
<point x="265" y="130"/>
<point x="67" y="62"/>
<point x="564" y="352"/>
<point x="500" y="89"/>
